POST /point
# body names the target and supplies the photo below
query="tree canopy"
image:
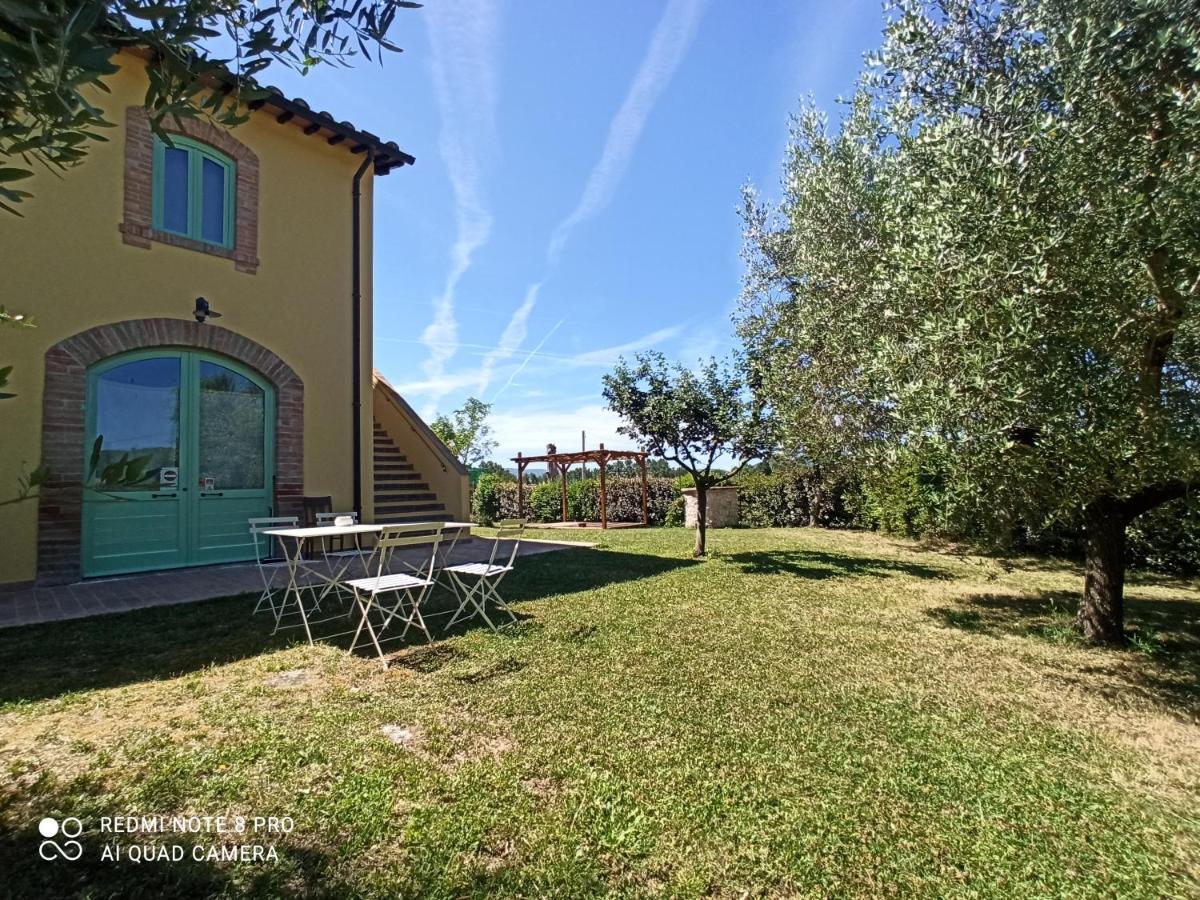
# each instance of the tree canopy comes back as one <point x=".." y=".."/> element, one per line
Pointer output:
<point x="55" y="55"/>
<point x="993" y="258"/>
<point x="466" y="432"/>
<point x="690" y="418"/>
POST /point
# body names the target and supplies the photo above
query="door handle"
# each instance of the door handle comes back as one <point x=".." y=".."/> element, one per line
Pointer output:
<point x="172" y="494"/>
<point x="212" y="493"/>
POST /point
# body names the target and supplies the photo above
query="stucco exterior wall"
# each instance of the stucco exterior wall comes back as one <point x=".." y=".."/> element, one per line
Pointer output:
<point x="67" y="264"/>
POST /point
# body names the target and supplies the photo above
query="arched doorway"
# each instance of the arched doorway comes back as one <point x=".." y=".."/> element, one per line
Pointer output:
<point x="179" y="453"/>
<point x="64" y="427"/>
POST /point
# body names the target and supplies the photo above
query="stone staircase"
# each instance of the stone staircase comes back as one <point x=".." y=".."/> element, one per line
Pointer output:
<point x="401" y="495"/>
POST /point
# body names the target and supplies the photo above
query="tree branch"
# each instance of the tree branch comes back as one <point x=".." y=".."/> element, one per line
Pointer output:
<point x="1157" y="494"/>
<point x="731" y="475"/>
<point x="1171" y="309"/>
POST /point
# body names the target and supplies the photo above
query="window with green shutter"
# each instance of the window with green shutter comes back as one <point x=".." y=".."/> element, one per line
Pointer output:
<point x="193" y="191"/>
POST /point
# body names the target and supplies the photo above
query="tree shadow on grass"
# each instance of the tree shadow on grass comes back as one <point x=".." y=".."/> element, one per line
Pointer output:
<point x="56" y="658"/>
<point x="817" y="565"/>
<point x="1162" y="660"/>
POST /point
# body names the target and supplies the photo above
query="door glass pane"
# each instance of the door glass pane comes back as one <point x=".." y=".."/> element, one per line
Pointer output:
<point x="137" y="424"/>
<point x="232" y="430"/>
<point x="212" y="227"/>
<point x="175" y="190"/>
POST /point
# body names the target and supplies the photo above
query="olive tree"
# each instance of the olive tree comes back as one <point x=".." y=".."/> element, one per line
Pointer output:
<point x="55" y="55"/>
<point x="690" y="418"/>
<point x="995" y="256"/>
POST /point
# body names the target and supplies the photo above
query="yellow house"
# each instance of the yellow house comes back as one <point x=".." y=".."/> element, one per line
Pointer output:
<point x="124" y="264"/>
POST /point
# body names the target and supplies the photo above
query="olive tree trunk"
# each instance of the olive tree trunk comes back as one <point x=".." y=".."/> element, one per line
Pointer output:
<point x="1101" y="616"/>
<point x="701" y="520"/>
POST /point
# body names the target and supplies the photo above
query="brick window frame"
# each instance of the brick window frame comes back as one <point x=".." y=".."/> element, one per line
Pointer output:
<point x="137" y="228"/>
<point x="64" y="428"/>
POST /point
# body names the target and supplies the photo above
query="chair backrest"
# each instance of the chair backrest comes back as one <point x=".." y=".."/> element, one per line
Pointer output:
<point x="417" y="534"/>
<point x="259" y="525"/>
<point x="508" y="530"/>
<point x="327" y="518"/>
<point x="314" y="506"/>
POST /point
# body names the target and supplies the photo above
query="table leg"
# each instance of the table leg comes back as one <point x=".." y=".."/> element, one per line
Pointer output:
<point x="293" y="586"/>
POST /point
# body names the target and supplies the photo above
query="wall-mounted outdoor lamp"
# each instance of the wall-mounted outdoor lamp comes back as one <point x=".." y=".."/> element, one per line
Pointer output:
<point x="203" y="311"/>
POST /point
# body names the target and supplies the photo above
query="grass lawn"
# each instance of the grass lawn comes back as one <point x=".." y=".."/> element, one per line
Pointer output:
<point x="807" y="713"/>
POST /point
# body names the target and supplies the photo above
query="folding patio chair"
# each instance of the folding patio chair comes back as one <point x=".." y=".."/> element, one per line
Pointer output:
<point x="340" y="561"/>
<point x="487" y="576"/>
<point x="409" y="589"/>
<point x="269" y="566"/>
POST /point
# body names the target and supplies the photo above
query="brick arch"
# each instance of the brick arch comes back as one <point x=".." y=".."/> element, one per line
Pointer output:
<point x="137" y="228"/>
<point x="60" y="507"/>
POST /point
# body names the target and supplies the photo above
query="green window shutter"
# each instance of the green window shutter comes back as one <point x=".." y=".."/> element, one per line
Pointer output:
<point x="197" y="155"/>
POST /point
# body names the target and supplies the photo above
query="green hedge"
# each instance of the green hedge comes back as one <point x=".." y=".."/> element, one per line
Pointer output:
<point x="905" y="500"/>
<point x="790" y="500"/>
<point x="494" y="499"/>
<point x="908" y="499"/>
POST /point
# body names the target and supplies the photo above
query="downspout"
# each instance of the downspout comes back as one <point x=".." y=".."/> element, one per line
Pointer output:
<point x="356" y="319"/>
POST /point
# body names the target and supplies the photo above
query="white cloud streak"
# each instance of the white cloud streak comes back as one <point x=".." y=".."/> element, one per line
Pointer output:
<point x="462" y="42"/>
<point x="604" y="356"/>
<point x="530" y="355"/>
<point x="609" y="355"/>
<point x="668" y="46"/>
<point x="514" y="335"/>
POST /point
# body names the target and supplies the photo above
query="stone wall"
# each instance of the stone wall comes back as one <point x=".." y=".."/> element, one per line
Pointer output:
<point x="721" y="511"/>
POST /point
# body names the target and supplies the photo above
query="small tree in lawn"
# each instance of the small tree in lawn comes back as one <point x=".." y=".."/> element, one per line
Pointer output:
<point x="689" y="418"/>
<point x="466" y="432"/>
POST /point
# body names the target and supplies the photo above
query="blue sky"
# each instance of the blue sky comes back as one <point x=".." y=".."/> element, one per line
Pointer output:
<point x="576" y="187"/>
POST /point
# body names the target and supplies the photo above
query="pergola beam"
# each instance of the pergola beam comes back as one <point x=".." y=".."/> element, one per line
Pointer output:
<point x="564" y="461"/>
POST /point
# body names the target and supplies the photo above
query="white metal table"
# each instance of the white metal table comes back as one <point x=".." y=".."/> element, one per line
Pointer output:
<point x="291" y="542"/>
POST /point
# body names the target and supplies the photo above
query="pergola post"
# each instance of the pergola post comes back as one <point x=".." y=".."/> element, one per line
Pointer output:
<point x="645" y="493"/>
<point x="563" y="463"/>
<point x="520" y="486"/>
<point x="603" y="492"/>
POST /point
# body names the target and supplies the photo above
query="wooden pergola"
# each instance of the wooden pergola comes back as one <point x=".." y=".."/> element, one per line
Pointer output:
<point x="564" y="461"/>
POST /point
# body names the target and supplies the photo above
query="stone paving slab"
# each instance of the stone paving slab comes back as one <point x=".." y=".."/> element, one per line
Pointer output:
<point x="121" y="593"/>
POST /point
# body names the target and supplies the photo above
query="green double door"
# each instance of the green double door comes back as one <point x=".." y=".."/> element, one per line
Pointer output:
<point x="178" y="456"/>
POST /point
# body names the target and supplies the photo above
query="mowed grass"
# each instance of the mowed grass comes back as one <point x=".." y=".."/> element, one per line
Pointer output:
<point x="808" y="713"/>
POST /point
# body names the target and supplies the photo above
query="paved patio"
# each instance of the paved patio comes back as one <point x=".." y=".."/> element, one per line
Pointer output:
<point x="97" y="596"/>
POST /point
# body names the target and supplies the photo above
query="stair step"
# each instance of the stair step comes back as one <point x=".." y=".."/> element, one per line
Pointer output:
<point x="416" y="517"/>
<point x="397" y="465"/>
<point x="397" y="476"/>
<point x="424" y="497"/>
<point x="388" y="508"/>
<point x="414" y="496"/>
